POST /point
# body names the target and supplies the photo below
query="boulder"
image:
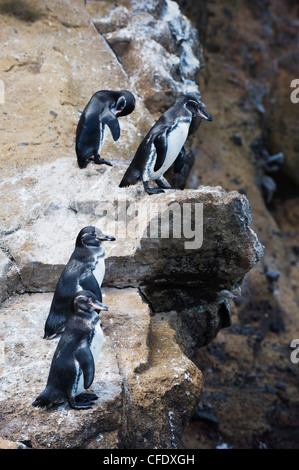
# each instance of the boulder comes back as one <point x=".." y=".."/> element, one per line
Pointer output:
<point x="195" y="227"/>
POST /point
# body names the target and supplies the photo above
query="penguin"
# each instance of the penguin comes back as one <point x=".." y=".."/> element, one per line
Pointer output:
<point x="101" y="111"/>
<point x="73" y="364"/>
<point x="84" y="270"/>
<point x="164" y="145"/>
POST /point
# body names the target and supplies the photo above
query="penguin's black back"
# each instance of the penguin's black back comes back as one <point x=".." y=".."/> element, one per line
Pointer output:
<point x="78" y="269"/>
<point x="87" y="142"/>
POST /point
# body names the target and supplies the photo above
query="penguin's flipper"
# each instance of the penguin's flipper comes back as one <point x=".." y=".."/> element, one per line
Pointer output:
<point x="160" y="142"/>
<point x="89" y="282"/>
<point x="86" y="361"/>
<point x="180" y="160"/>
<point x="107" y="117"/>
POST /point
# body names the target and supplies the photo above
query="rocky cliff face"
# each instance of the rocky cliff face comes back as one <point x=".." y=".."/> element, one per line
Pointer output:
<point x="167" y="295"/>
<point x="251" y="384"/>
<point x="138" y="33"/>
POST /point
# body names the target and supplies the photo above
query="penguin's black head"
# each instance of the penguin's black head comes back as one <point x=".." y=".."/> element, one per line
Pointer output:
<point x="125" y="104"/>
<point x="86" y="301"/>
<point x="92" y="236"/>
<point x="194" y="106"/>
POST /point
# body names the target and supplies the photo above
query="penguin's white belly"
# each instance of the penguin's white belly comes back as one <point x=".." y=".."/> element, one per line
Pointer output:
<point x="99" y="271"/>
<point x="97" y="342"/>
<point x="175" y="141"/>
<point x="80" y="386"/>
<point x="104" y="130"/>
<point x="95" y="348"/>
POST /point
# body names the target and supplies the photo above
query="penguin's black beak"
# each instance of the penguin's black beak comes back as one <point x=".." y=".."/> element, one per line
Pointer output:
<point x="105" y="238"/>
<point x="98" y="306"/>
<point x="205" y="115"/>
<point x="50" y="337"/>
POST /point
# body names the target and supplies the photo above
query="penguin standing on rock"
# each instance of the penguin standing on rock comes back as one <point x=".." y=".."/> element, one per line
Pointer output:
<point x="164" y="145"/>
<point x="84" y="270"/>
<point x="101" y="111"/>
<point x="73" y="365"/>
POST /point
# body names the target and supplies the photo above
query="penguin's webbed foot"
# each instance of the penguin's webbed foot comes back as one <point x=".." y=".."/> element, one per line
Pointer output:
<point x="86" y="397"/>
<point x="162" y="183"/>
<point x="75" y="405"/>
<point x="100" y="161"/>
<point x="152" y="190"/>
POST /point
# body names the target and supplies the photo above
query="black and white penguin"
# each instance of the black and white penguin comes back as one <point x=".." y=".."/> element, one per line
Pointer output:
<point x="102" y="110"/>
<point x="84" y="270"/>
<point x="73" y="365"/>
<point x="164" y="145"/>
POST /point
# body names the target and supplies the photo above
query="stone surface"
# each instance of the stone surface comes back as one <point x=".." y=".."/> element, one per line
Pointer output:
<point x="146" y="253"/>
<point x="130" y="377"/>
<point x="27" y="359"/>
<point x="138" y="257"/>
<point x="138" y="33"/>
<point x="50" y="67"/>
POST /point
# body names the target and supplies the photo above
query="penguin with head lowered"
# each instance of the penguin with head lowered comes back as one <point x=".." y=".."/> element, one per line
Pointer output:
<point x="164" y="145"/>
<point x="84" y="270"/>
<point x="73" y="365"/>
<point x="102" y="110"/>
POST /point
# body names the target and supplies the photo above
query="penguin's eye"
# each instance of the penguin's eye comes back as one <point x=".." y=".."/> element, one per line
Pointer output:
<point x="193" y="104"/>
